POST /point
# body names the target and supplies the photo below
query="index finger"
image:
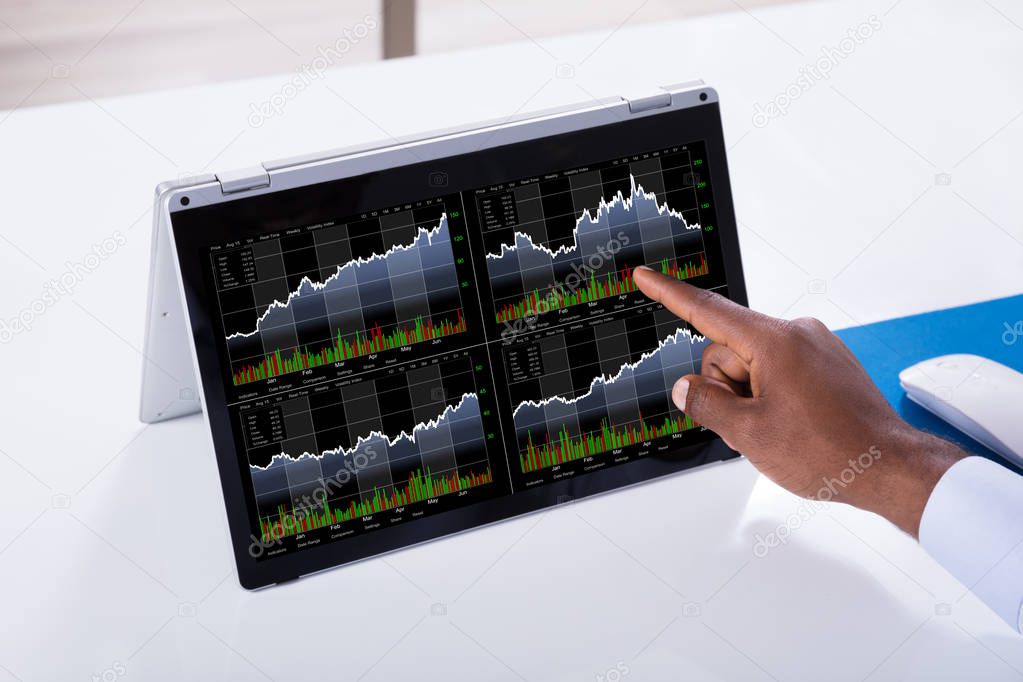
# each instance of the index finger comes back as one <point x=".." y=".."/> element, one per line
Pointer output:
<point x="721" y="320"/>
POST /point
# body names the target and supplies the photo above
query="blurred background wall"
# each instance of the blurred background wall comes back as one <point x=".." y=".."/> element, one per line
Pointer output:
<point x="60" y="50"/>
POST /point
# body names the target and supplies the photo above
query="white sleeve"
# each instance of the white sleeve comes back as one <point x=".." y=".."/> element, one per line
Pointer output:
<point x="973" y="526"/>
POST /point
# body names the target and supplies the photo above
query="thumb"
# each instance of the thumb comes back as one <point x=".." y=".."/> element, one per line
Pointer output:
<point x="713" y="404"/>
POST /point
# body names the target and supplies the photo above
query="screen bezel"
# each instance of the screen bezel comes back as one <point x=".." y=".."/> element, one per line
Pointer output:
<point x="491" y="163"/>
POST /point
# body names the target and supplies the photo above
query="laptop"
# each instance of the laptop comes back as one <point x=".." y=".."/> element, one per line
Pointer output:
<point x="395" y="343"/>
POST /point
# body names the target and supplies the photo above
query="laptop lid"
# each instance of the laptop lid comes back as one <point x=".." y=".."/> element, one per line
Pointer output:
<point x="398" y="343"/>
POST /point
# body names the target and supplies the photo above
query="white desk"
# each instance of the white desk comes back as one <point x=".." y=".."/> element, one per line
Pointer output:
<point x="103" y="572"/>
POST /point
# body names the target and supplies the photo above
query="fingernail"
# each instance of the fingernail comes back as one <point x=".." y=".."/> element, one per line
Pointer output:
<point x="679" y="393"/>
<point x="643" y="267"/>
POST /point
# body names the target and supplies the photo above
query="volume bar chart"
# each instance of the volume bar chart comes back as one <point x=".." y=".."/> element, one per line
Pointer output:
<point x="596" y="288"/>
<point x="568" y="448"/>
<point x="420" y="487"/>
<point x="359" y="344"/>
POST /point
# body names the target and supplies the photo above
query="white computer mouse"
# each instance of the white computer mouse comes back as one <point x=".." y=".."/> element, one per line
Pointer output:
<point x="980" y="397"/>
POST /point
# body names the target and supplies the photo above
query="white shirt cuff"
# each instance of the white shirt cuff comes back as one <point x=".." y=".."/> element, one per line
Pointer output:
<point x="973" y="526"/>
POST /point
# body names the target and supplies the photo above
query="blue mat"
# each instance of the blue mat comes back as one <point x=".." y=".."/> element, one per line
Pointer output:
<point x="993" y="329"/>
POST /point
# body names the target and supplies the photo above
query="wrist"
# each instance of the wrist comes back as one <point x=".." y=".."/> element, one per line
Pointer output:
<point x="914" y="463"/>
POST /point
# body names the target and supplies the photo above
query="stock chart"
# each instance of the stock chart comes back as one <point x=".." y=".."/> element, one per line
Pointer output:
<point x="395" y="364"/>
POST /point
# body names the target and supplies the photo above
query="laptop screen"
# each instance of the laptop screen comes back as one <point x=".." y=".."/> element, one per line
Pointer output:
<point x="389" y="365"/>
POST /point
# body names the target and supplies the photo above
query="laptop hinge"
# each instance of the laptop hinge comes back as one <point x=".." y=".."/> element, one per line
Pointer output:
<point x="661" y="99"/>
<point x="244" y="179"/>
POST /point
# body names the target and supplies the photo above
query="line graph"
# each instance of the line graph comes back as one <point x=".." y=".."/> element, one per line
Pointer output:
<point x="466" y="407"/>
<point x="345" y="292"/>
<point x="345" y="274"/>
<point x="386" y="457"/>
<point x="559" y="244"/>
<point x="625" y="402"/>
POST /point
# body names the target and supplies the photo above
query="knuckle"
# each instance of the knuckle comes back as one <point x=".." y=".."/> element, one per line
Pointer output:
<point x="806" y="329"/>
<point x="810" y="324"/>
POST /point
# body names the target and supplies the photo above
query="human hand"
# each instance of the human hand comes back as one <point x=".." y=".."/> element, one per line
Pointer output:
<point x="791" y="397"/>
